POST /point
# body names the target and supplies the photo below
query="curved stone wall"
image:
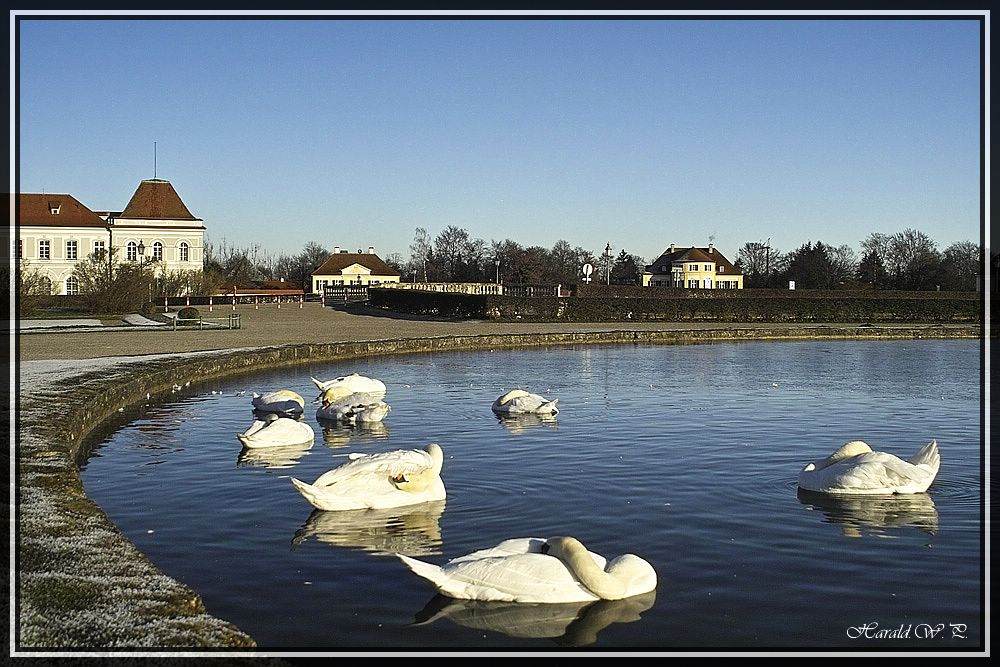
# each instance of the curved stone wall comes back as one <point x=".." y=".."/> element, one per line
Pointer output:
<point x="81" y="584"/>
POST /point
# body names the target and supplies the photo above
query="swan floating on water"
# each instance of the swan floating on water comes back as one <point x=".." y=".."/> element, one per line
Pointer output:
<point x="342" y="405"/>
<point x="855" y="469"/>
<point x="518" y="401"/>
<point x="354" y="383"/>
<point x="536" y="570"/>
<point x="377" y="481"/>
<point x="276" y="431"/>
<point x="282" y="401"/>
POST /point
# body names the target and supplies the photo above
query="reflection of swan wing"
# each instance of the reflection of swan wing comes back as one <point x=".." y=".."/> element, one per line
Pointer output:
<point x="570" y="623"/>
<point x="875" y="513"/>
<point x="272" y="457"/>
<point x="518" y="423"/>
<point x="414" y="530"/>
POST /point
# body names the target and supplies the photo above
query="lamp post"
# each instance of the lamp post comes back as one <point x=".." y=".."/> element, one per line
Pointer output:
<point x="497" y="262"/>
<point x="607" y="264"/>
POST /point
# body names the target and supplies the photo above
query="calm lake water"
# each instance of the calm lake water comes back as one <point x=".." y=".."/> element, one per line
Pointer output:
<point x="686" y="455"/>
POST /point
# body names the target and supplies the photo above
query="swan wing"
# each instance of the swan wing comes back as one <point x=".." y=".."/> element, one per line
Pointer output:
<point x="877" y="472"/>
<point x="378" y="466"/>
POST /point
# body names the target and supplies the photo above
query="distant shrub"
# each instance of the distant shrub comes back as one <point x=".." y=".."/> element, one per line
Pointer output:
<point x="188" y="313"/>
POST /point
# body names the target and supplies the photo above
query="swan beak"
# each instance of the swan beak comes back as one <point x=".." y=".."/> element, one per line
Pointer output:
<point x="545" y="548"/>
<point x="400" y="478"/>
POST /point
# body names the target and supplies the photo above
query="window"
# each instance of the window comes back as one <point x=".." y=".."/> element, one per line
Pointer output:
<point x="46" y="285"/>
<point x="131" y="251"/>
<point x="44" y="249"/>
<point x="721" y="269"/>
<point x="184" y="251"/>
<point x="99" y="249"/>
<point x="693" y="267"/>
<point x="72" y="285"/>
<point x="663" y="269"/>
<point x="158" y="251"/>
<point x="693" y="284"/>
<point x="708" y="283"/>
<point x="708" y="267"/>
<point x="71" y="250"/>
<point x="20" y="248"/>
<point x="54" y="208"/>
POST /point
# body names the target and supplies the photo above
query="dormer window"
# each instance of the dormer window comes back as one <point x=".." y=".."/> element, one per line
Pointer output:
<point x="55" y="207"/>
<point x="721" y="269"/>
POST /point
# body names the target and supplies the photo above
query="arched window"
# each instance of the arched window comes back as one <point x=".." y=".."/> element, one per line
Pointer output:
<point x="184" y="251"/>
<point x="158" y="251"/>
<point x="132" y="251"/>
<point x="72" y="285"/>
<point x="46" y="285"/>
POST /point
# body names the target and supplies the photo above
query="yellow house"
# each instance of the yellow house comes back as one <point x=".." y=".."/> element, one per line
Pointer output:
<point x="692" y="268"/>
<point x="352" y="268"/>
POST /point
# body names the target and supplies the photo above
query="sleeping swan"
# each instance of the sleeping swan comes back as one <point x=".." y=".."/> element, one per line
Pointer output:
<point x="275" y="431"/>
<point x="282" y="401"/>
<point x="342" y="405"/>
<point x="535" y="570"/>
<point x="518" y="401"/>
<point x="377" y="481"/>
<point x="354" y="383"/>
<point x="855" y="468"/>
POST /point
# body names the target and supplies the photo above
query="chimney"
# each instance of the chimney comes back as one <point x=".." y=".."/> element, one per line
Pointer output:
<point x="711" y="248"/>
<point x="371" y="250"/>
<point x="336" y="250"/>
<point x="671" y="247"/>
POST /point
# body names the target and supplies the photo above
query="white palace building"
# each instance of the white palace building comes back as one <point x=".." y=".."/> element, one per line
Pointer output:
<point x="56" y="231"/>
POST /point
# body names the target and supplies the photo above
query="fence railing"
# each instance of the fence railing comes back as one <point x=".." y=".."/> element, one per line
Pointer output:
<point x="232" y="321"/>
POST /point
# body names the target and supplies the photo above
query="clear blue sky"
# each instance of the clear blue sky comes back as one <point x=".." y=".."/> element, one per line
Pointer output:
<point x="640" y="133"/>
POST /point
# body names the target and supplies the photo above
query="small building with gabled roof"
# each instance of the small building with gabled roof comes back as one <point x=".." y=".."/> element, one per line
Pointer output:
<point x="693" y="268"/>
<point x="353" y="268"/>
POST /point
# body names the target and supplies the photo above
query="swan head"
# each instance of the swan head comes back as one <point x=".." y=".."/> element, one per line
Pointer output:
<point x="335" y="393"/>
<point x="625" y="576"/>
<point x="846" y="451"/>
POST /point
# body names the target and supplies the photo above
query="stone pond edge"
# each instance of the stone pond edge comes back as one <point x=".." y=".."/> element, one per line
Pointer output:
<point x="81" y="583"/>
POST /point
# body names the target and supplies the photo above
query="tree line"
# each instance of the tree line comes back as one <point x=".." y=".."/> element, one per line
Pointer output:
<point x="906" y="260"/>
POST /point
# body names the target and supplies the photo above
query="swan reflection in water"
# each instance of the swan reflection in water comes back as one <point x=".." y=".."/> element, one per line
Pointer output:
<point x="567" y="623"/>
<point x="520" y="423"/>
<point x="875" y="515"/>
<point x="272" y="457"/>
<point x="338" y="434"/>
<point x="413" y="530"/>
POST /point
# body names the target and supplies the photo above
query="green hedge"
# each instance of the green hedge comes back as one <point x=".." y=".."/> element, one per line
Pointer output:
<point x="730" y="307"/>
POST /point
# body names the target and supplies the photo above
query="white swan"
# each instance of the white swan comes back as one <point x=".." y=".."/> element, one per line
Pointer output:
<point x="856" y="469"/>
<point x="275" y="431"/>
<point x="282" y="401"/>
<point x="377" y="481"/>
<point x="535" y="570"/>
<point x="354" y="383"/>
<point x="340" y="404"/>
<point x="518" y="401"/>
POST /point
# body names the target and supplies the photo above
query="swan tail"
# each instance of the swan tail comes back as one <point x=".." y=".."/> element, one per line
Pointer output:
<point x="319" y="383"/>
<point x="308" y="492"/>
<point x="428" y="571"/>
<point x="243" y="439"/>
<point x="928" y="456"/>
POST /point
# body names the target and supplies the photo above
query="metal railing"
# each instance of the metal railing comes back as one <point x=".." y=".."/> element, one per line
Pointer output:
<point x="232" y="321"/>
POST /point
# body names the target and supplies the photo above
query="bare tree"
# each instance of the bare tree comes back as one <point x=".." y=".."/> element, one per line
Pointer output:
<point x="449" y="247"/>
<point x="420" y="251"/>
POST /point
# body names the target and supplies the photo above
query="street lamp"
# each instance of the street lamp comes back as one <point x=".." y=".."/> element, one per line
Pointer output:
<point x="497" y="262"/>
<point x="607" y="264"/>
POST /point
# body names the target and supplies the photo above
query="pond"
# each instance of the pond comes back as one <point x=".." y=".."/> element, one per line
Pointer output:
<point x="686" y="455"/>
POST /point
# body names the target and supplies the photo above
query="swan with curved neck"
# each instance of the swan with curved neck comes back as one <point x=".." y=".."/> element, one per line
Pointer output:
<point x="519" y="401"/>
<point x="377" y="481"/>
<point x="854" y="468"/>
<point x="554" y="570"/>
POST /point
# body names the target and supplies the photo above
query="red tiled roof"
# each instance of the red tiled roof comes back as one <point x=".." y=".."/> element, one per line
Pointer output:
<point x="337" y="262"/>
<point x="693" y="254"/>
<point x="35" y="209"/>
<point x="156" y="199"/>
